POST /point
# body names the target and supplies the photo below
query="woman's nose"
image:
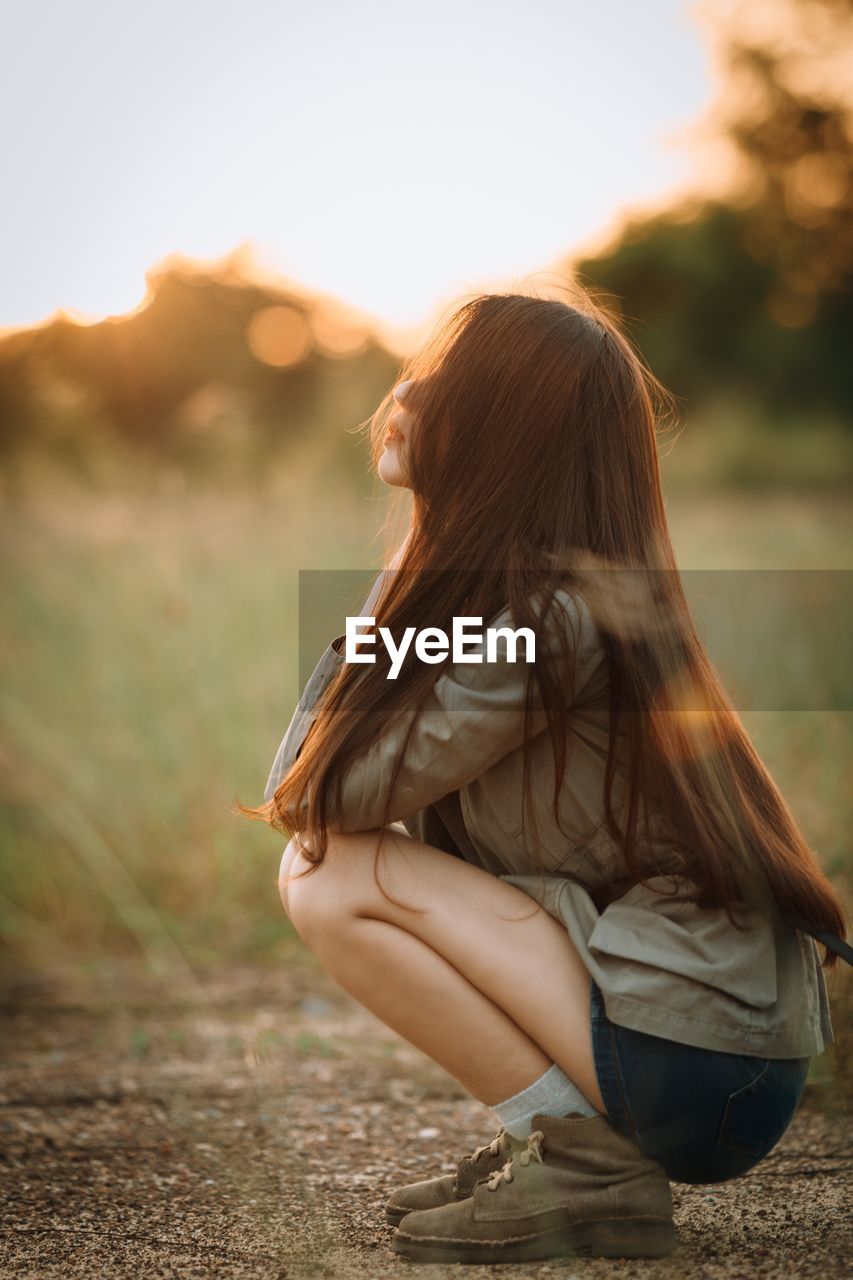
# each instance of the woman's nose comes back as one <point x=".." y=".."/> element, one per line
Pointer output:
<point x="402" y="390"/>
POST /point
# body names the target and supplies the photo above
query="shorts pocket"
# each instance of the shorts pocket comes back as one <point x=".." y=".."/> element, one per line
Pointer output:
<point x="757" y="1114"/>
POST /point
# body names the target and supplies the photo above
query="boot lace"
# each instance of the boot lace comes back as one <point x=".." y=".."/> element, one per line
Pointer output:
<point x="504" y="1174"/>
<point x="492" y="1147"/>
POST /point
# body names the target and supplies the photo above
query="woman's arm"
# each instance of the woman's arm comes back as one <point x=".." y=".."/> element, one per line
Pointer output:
<point x="472" y="717"/>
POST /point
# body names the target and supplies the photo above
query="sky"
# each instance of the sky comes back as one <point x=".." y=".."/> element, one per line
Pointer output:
<point x="392" y="155"/>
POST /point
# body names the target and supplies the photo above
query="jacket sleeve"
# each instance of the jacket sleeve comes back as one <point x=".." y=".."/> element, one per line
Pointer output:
<point x="470" y="719"/>
<point x="306" y="709"/>
<point x="304" y="715"/>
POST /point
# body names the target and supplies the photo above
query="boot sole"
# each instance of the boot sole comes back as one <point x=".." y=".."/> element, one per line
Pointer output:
<point x="606" y="1238"/>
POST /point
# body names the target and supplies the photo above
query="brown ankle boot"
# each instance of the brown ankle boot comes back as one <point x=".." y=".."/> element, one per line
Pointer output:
<point x="450" y="1187"/>
<point x="581" y="1188"/>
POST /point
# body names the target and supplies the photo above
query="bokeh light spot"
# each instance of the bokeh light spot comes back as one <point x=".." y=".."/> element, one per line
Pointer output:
<point x="279" y="336"/>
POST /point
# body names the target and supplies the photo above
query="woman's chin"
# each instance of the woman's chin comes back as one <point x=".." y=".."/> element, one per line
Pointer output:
<point x="391" y="470"/>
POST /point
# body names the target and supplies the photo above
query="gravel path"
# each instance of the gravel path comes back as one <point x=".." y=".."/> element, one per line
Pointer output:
<point x="253" y="1124"/>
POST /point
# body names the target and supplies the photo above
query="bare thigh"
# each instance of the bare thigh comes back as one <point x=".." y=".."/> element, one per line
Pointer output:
<point x="504" y="943"/>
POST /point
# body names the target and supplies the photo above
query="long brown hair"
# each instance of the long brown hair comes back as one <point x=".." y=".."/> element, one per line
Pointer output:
<point x="534" y="465"/>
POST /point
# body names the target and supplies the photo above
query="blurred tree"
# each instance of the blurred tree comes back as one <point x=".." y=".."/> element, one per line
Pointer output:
<point x="787" y="110"/>
<point x="751" y="290"/>
<point x="185" y="378"/>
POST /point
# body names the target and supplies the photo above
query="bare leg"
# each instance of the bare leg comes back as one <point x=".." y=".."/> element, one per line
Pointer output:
<point x="493" y="1000"/>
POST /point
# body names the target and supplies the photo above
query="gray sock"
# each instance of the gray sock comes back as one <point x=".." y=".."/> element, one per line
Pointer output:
<point x="553" y="1094"/>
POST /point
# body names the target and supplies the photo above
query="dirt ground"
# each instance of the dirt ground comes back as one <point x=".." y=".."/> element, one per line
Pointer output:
<point x="253" y="1124"/>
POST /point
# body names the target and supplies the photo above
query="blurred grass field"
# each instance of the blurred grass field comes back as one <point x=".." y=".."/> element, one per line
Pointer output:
<point x="150" y="669"/>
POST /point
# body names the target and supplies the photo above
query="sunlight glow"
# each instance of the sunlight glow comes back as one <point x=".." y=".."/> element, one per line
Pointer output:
<point x="373" y="159"/>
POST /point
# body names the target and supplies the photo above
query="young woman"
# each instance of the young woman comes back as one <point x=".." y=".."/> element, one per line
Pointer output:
<point x="656" y="1020"/>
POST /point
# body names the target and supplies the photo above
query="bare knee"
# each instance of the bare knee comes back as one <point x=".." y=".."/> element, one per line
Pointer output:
<point x="312" y="901"/>
<point x="323" y="899"/>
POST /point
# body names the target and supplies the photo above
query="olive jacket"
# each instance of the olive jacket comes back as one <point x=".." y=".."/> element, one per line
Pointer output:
<point x="665" y="966"/>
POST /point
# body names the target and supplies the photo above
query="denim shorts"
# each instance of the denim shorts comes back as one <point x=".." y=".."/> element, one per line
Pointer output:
<point x="703" y="1114"/>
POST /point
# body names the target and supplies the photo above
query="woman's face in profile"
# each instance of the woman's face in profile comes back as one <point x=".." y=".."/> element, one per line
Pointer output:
<point x="392" y="466"/>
